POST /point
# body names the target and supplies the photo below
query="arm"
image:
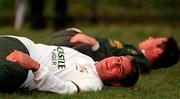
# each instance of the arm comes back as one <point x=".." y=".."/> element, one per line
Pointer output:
<point x="24" y="60"/>
<point x="82" y="38"/>
<point x="100" y="47"/>
<point x="45" y="80"/>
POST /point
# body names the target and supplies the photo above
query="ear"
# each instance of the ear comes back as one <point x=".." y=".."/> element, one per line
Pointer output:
<point x="115" y="84"/>
<point x="158" y="51"/>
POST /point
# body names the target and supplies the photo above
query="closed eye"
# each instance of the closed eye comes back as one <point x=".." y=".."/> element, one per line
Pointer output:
<point x="119" y="59"/>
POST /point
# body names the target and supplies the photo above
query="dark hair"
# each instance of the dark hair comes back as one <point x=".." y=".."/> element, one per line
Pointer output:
<point x="170" y="55"/>
<point x="132" y="78"/>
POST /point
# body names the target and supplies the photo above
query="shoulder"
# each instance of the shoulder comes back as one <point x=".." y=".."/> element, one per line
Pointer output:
<point x="90" y="84"/>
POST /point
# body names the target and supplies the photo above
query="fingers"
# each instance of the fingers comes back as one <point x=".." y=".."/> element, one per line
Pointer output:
<point x="11" y="56"/>
<point x="23" y="60"/>
<point x="78" y="38"/>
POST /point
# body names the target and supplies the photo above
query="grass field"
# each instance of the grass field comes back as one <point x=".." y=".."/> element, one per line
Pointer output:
<point x="159" y="84"/>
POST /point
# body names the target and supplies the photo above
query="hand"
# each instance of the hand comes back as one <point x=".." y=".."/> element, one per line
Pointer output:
<point x="82" y="38"/>
<point x="23" y="60"/>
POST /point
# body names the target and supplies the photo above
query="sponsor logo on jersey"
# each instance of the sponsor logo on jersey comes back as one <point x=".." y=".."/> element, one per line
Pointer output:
<point x="115" y="43"/>
<point x="81" y="68"/>
<point x="58" y="58"/>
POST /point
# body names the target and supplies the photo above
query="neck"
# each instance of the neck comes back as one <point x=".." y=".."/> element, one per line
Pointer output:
<point x="148" y="56"/>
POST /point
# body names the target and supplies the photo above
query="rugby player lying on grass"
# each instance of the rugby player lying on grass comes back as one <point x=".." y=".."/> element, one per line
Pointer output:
<point x="154" y="52"/>
<point x="59" y="69"/>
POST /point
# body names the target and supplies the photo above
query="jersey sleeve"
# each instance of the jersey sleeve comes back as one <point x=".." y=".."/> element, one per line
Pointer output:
<point x="104" y="50"/>
<point x="88" y="84"/>
<point x="47" y="81"/>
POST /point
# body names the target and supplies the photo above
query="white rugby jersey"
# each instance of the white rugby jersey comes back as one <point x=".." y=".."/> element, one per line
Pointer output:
<point x="62" y="69"/>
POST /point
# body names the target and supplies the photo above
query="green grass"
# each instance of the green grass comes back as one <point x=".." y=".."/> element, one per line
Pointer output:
<point x="161" y="83"/>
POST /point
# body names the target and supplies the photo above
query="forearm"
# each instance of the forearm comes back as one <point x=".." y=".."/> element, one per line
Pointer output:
<point x="23" y="60"/>
<point x="36" y="66"/>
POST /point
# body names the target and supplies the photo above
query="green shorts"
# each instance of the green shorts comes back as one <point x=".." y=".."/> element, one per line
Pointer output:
<point x="12" y="75"/>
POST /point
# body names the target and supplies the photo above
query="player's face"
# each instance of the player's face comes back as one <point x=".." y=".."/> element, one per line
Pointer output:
<point x="151" y="43"/>
<point x="151" y="47"/>
<point x="114" y="68"/>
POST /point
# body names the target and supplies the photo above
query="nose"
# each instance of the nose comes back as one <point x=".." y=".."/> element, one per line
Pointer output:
<point x="115" y="64"/>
